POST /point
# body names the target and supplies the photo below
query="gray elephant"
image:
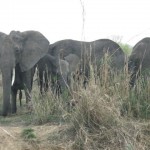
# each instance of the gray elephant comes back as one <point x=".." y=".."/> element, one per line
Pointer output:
<point x="24" y="49"/>
<point x="139" y="60"/>
<point x="49" y="73"/>
<point x="89" y="52"/>
<point x="19" y="84"/>
<point x="73" y="61"/>
<point x="44" y="69"/>
<point x="74" y="67"/>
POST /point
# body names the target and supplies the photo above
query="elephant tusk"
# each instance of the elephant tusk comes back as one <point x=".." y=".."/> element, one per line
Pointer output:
<point x="13" y="77"/>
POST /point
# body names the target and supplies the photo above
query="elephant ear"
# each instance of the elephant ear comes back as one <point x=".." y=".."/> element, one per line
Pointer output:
<point x="35" y="46"/>
<point x="51" y="59"/>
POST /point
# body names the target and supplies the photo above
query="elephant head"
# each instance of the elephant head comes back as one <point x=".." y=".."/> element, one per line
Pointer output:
<point x="139" y="60"/>
<point x="60" y="68"/>
<point x="23" y="48"/>
<point x="32" y="46"/>
<point x="49" y="66"/>
<point x="65" y="68"/>
<point x="74" y="62"/>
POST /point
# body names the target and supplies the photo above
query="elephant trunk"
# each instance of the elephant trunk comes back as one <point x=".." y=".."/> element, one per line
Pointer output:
<point x="59" y="64"/>
<point x="52" y="59"/>
<point x="6" y="77"/>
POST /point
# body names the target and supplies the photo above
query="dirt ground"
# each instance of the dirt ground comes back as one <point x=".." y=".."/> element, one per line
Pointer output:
<point x="11" y="128"/>
<point x="11" y="138"/>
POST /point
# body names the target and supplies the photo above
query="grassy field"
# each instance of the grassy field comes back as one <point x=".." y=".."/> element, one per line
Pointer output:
<point x="107" y="115"/>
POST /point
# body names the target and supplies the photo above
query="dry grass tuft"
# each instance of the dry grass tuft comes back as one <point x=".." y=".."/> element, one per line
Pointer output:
<point x="47" y="107"/>
<point x="97" y="118"/>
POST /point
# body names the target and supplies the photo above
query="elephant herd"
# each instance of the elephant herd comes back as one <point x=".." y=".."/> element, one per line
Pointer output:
<point x="21" y="53"/>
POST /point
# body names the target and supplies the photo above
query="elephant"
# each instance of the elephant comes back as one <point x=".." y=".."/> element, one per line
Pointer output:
<point x="89" y="52"/>
<point x="73" y="61"/>
<point x="139" y="60"/>
<point x="44" y="69"/>
<point x="47" y="67"/>
<point x="23" y="49"/>
<point x="74" y="66"/>
<point x="19" y="84"/>
<point x="48" y="73"/>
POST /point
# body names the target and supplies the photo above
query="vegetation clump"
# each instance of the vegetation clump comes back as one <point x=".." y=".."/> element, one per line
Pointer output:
<point x="28" y="134"/>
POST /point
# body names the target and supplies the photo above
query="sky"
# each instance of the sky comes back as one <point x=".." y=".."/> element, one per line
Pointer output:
<point x="127" y="21"/>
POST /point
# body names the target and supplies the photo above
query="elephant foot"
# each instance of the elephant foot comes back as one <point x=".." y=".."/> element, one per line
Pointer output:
<point x="4" y="114"/>
<point x="14" y="108"/>
<point x="14" y="111"/>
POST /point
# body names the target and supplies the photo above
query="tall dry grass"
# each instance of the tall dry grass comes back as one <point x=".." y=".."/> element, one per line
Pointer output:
<point x="103" y="117"/>
<point x="107" y="113"/>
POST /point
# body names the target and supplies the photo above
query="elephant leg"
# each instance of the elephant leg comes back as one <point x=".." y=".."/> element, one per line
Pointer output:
<point x="69" y="78"/>
<point x="32" y="75"/>
<point x="14" y="97"/>
<point x="134" y="76"/>
<point x="41" y="81"/>
<point x="6" y="78"/>
<point x="63" y="87"/>
<point x="46" y="82"/>
<point x="132" y="80"/>
<point x="27" y="84"/>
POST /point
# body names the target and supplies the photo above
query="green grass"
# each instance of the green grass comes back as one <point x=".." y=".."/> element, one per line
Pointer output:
<point x="28" y="134"/>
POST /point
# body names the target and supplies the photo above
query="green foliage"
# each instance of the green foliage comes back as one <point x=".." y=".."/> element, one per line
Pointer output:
<point x="126" y="48"/>
<point x="28" y="134"/>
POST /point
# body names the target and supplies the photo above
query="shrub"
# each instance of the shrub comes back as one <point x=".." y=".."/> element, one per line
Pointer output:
<point x="28" y="134"/>
<point x="126" y="48"/>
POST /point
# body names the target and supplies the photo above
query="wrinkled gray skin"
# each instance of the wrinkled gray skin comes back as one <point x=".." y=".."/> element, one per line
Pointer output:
<point x="44" y="69"/>
<point x="20" y="80"/>
<point x="139" y="60"/>
<point x="89" y="51"/>
<point x="25" y="49"/>
<point x="49" y="72"/>
<point x="74" y="62"/>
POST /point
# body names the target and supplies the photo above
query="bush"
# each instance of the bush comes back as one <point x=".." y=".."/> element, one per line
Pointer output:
<point x="99" y="118"/>
<point x="28" y="134"/>
<point x="126" y="48"/>
<point x="47" y="108"/>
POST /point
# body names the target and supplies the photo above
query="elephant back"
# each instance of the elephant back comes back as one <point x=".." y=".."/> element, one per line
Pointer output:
<point x="141" y="54"/>
<point x="87" y="51"/>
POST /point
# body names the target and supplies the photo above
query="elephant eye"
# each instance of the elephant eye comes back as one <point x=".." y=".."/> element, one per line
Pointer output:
<point x="17" y="39"/>
<point x="17" y="51"/>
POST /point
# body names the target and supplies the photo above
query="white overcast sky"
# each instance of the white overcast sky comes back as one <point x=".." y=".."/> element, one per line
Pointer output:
<point x="63" y="19"/>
